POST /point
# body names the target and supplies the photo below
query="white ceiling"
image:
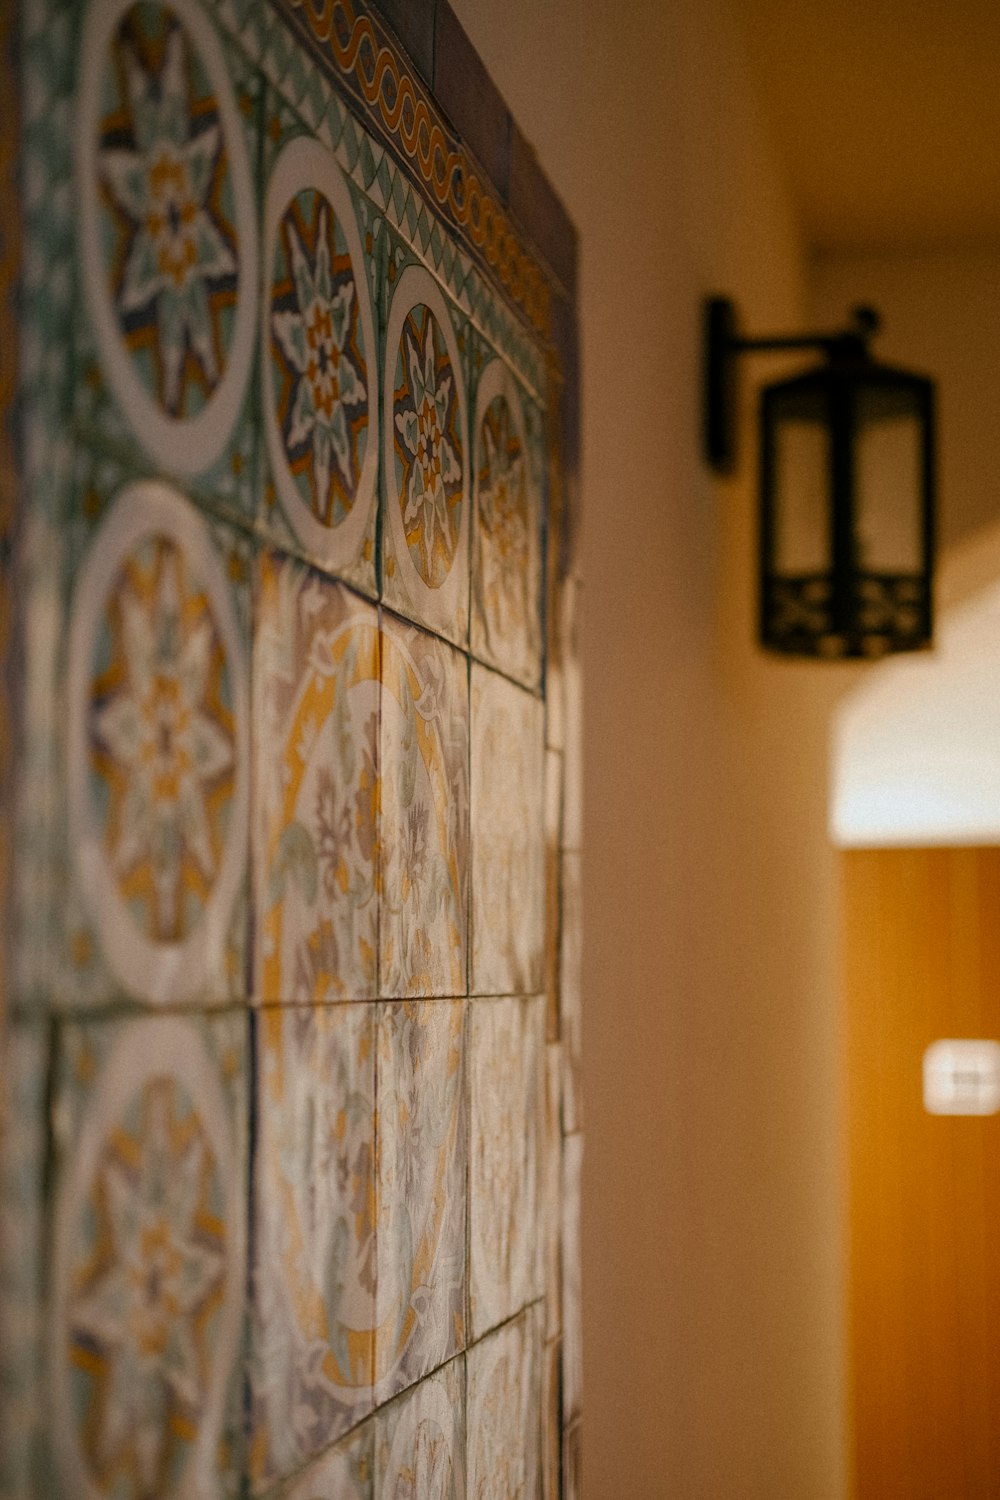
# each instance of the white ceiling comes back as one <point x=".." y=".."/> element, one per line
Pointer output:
<point x="887" y="113"/>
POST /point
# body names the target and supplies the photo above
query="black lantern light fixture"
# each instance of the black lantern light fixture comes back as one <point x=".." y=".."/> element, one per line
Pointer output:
<point x="846" y="489"/>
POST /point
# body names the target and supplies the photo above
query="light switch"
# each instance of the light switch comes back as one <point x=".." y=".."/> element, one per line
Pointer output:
<point x="962" y="1077"/>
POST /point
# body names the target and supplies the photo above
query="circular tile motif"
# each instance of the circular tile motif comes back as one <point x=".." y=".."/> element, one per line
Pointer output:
<point x="148" y="1273"/>
<point x="157" y="741"/>
<point x="426" y="461"/>
<point x="167" y="221"/>
<point x="507" y="551"/>
<point x="319" y="376"/>
<point x="428" y="445"/>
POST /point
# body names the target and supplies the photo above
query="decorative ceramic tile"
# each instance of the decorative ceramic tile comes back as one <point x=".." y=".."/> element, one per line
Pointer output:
<point x="420" y="1441"/>
<point x="313" y="1283"/>
<point x="346" y="1472"/>
<point x="420" y="1191"/>
<point x="316" y="714"/>
<point x="507" y="543"/>
<point x="553" y="892"/>
<point x="508" y="846"/>
<point x="573" y="687"/>
<point x="552" y="1190"/>
<point x="503" y="1409"/>
<point x="572" y="1477"/>
<point x="158" y="749"/>
<point x="425" y="461"/>
<point x="571" y="1286"/>
<point x="506" y="1042"/>
<point x="167" y="225"/>
<point x="148" y="1259"/>
<point x="320" y="386"/>
<point x="425" y="814"/>
<point x="551" y="1421"/>
<point x="22" y="1253"/>
<point x="571" y="992"/>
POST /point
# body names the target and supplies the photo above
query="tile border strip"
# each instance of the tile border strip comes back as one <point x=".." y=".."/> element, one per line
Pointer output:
<point x="345" y="36"/>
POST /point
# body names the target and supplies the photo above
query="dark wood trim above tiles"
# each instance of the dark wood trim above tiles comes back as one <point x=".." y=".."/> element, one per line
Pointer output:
<point x="537" y="209"/>
<point x="412" y="23"/>
<point x="470" y="99"/>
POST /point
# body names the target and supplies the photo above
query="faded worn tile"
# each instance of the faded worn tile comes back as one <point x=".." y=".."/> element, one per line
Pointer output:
<point x="572" y="1477"/>
<point x="319" y="362"/>
<point x="316" y="714"/>
<point x="551" y="1420"/>
<point x="420" y="1191"/>
<point x="507" y="543"/>
<point x="571" y="993"/>
<point x="552" y="1190"/>
<point x="169" y="258"/>
<point x="508" y="847"/>
<point x="345" y="1472"/>
<point x="420" y="1440"/>
<point x="503" y="1408"/>
<point x="425" y="460"/>
<point x="505" y="1090"/>
<point x="23" y="1253"/>
<point x="147" y="1269"/>
<point x="553" y="888"/>
<point x="313" y="1271"/>
<point x="157" y="748"/>
<point x="572" y="1332"/>
<point x="573" y="687"/>
<point x="424" y="814"/>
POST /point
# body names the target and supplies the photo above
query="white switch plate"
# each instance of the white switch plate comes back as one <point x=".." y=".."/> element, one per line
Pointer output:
<point x="962" y="1077"/>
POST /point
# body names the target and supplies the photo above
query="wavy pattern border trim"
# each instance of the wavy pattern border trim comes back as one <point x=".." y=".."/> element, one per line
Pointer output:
<point x="346" y="35"/>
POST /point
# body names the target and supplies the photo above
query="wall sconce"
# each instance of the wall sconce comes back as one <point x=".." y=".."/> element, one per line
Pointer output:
<point x="846" y="489"/>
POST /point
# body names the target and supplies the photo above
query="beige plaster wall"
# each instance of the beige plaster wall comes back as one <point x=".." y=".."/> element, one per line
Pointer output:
<point x="711" y="1245"/>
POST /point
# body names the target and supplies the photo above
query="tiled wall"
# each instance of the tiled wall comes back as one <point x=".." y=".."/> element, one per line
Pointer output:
<point x="291" y="1153"/>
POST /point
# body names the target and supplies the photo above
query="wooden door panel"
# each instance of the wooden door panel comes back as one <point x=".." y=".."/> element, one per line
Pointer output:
<point x="921" y="961"/>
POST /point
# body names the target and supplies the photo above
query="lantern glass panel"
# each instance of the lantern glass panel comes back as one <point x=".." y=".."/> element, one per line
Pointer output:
<point x="802" y="484"/>
<point x="888" y="482"/>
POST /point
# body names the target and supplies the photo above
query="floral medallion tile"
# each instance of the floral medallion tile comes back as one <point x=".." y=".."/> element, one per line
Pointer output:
<point x="157" y="744"/>
<point x="507" y="543"/>
<point x="148" y="1258"/>
<point x="313" y="1275"/>
<point x="571" y="992"/>
<point x="425" y="460"/>
<point x="552" y="1190"/>
<point x="572" y="1377"/>
<point x="506" y="1044"/>
<point x="424" y="814"/>
<point x="167" y="226"/>
<point x="420" y="1440"/>
<point x="320" y="380"/>
<point x="345" y="1472"/>
<point x="316" y="716"/>
<point x="421" y="1155"/>
<point x="503" y="1412"/>
<point x="508" y="844"/>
